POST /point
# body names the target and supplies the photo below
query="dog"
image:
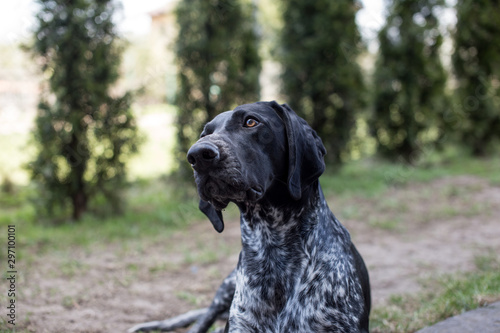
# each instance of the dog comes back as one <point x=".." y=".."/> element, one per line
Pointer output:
<point x="298" y="270"/>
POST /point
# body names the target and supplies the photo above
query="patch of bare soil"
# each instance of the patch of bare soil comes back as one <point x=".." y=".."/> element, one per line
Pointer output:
<point x="405" y="236"/>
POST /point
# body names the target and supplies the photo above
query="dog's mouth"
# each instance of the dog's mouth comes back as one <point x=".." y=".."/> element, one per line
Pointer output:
<point x="220" y="191"/>
<point x="255" y="193"/>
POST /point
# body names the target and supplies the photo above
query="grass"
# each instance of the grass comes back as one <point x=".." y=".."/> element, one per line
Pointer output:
<point x="386" y="224"/>
<point x="450" y="296"/>
<point x="371" y="177"/>
<point x="190" y="298"/>
<point x="154" y="208"/>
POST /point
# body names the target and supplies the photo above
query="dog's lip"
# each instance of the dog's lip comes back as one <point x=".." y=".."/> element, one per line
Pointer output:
<point x="255" y="193"/>
<point x="252" y="192"/>
<point x="220" y="205"/>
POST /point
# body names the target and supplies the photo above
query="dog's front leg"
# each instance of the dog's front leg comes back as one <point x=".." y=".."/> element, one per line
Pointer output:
<point x="203" y="318"/>
<point x="220" y="305"/>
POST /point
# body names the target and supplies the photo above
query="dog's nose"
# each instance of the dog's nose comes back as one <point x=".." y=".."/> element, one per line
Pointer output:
<point x="202" y="155"/>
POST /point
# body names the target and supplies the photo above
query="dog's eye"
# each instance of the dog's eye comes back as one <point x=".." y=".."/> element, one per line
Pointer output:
<point x="251" y="122"/>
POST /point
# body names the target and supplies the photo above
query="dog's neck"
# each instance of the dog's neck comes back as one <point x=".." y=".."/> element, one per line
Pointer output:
<point x="289" y="226"/>
<point x="278" y="208"/>
<point x="283" y="223"/>
<point x="277" y="242"/>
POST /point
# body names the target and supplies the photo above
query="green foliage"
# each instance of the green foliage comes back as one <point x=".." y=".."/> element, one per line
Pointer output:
<point x="218" y="64"/>
<point x="409" y="81"/>
<point x="83" y="133"/>
<point x="321" y="78"/>
<point x="476" y="65"/>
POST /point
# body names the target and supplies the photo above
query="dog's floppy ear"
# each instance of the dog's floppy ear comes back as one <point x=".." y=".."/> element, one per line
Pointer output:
<point x="214" y="215"/>
<point x="305" y="151"/>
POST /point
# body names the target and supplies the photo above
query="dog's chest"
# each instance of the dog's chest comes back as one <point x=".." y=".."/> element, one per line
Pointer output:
<point x="291" y="281"/>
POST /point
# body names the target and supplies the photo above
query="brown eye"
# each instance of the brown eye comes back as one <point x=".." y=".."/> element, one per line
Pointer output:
<point x="250" y="122"/>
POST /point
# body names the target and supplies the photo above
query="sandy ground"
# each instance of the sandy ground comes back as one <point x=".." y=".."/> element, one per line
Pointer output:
<point x="410" y="234"/>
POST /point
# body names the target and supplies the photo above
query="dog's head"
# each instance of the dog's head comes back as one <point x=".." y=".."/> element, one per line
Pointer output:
<point x="242" y="153"/>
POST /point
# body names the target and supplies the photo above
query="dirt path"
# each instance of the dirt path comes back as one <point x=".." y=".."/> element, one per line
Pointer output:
<point x="409" y="234"/>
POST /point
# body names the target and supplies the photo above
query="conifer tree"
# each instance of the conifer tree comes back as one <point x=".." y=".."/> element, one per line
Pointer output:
<point x="409" y="81"/>
<point x="218" y="65"/>
<point x="83" y="133"/>
<point x="476" y="64"/>
<point x="321" y="78"/>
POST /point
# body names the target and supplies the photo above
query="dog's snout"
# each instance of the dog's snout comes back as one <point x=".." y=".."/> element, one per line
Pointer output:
<point x="203" y="155"/>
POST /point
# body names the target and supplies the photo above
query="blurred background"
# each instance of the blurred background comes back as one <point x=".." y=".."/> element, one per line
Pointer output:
<point x="100" y="100"/>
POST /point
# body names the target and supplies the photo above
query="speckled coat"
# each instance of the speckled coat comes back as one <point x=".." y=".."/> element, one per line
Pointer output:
<point x="296" y="272"/>
<point x="298" y="269"/>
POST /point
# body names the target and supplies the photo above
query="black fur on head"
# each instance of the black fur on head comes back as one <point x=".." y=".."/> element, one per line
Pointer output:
<point x="243" y="152"/>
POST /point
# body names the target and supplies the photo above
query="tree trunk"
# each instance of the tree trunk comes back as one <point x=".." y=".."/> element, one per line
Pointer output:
<point x="79" y="200"/>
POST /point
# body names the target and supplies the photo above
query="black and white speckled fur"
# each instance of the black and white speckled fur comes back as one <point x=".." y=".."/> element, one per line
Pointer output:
<point x="298" y="269"/>
<point x="296" y="272"/>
